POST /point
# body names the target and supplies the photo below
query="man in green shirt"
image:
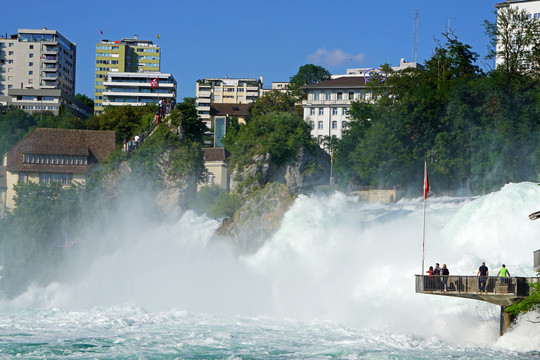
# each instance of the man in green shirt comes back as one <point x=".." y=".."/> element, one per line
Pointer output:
<point x="503" y="273"/>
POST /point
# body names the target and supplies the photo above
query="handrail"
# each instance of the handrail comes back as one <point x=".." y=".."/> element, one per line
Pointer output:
<point x="473" y="284"/>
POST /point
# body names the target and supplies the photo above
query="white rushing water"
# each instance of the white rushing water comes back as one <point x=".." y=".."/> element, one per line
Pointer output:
<point x="336" y="281"/>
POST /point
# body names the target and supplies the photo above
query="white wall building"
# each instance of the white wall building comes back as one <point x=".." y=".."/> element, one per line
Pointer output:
<point x="364" y="71"/>
<point x="532" y="7"/>
<point x="134" y="88"/>
<point x="328" y="102"/>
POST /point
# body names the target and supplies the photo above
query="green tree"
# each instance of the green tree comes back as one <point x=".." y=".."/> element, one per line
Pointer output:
<point x="529" y="304"/>
<point x="306" y="75"/>
<point x="274" y="101"/>
<point x="185" y="116"/>
<point x="124" y="120"/>
<point x="280" y="135"/>
<point x="85" y="100"/>
<point x="514" y="40"/>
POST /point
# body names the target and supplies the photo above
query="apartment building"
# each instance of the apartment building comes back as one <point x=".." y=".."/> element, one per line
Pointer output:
<point x="126" y="55"/>
<point x="37" y="59"/>
<point x="225" y="91"/>
<point x="138" y="88"/>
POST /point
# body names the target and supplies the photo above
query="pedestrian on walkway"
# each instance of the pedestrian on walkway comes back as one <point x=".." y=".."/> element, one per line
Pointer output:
<point x="503" y="273"/>
<point x="482" y="274"/>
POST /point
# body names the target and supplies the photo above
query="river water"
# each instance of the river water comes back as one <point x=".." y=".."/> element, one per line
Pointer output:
<point x="335" y="282"/>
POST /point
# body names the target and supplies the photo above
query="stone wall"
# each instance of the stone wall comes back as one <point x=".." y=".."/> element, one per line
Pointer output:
<point x="372" y="196"/>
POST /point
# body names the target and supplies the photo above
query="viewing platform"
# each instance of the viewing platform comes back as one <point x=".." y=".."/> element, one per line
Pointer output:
<point x="503" y="293"/>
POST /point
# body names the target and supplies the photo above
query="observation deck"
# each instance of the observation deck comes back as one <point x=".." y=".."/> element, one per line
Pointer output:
<point x="503" y="293"/>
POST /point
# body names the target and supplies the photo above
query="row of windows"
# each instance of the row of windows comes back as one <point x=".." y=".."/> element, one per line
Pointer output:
<point x="65" y="179"/>
<point x="55" y="159"/>
<point x="149" y="57"/>
<point x="148" y="50"/>
<point x="113" y="62"/>
<point x="107" y="47"/>
<point x="38" y="107"/>
<point x="335" y="111"/>
<point x="320" y="124"/>
<point x="338" y="96"/>
<point x="46" y="178"/>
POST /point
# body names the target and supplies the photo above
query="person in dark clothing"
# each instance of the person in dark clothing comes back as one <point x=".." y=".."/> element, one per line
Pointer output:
<point x="437" y="270"/>
<point x="482" y="274"/>
<point x="445" y="273"/>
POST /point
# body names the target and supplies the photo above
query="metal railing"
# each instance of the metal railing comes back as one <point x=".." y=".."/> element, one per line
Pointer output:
<point x="473" y="284"/>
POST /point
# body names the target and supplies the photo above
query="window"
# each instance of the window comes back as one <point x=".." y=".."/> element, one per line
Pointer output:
<point x="340" y="95"/>
<point x="343" y="124"/>
<point x="320" y="125"/>
<point x="30" y="81"/>
<point x="345" y="111"/>
<point x="351" y="95"/>
<point x="334" y="111"/>
<point x="10" y="53"/>
<point x="321" y="111"/>
<point x="312" y="111"/>
<point x="31" y="46"/>
<point x="31" y="55"/>
<point x="30" y="64"/>
<point x="312" y="124"/>
<point x="30" y="72"/>
<point x="334" y="124"/>
<point x="22" y="178"/>
<point x="10" y="44"/>
<point x="10" y="61"/>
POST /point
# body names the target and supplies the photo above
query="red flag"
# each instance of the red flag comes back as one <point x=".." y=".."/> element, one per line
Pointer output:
<point x="101" y="31"/>
<point x="426" y="182"/>
<point x="154" y="83"/>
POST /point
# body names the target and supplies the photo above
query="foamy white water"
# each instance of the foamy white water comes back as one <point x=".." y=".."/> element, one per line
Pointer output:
<point x="336" y="281"/>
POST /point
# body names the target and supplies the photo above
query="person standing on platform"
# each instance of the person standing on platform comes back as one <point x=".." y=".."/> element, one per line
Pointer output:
<point x="445" y="272"/>
<point x="482" y="274"/>
<point x="503" y="273"/>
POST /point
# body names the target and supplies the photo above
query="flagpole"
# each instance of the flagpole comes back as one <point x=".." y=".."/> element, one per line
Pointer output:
<point x="424" y="195"/>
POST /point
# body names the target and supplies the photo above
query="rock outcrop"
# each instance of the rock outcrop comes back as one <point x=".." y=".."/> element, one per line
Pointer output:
<point x="258" y="218"/>
<point x="300" y="176"/>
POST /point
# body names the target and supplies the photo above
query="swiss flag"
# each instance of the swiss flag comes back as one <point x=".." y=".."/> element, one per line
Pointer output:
<point x="426" y="182"/>
<point x="154" y="83"/>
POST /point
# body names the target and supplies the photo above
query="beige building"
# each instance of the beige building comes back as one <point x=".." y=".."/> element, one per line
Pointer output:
<point x="281" y="86"/>
<point x="37" y="59"/>
<point x="366" y="71"/>
<point x="215" y="161"/>
<point x="225" y="91"/>
<point x="53" y="155"/>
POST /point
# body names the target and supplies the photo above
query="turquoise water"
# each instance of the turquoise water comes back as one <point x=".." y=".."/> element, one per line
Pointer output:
<point x="335" y="282"/>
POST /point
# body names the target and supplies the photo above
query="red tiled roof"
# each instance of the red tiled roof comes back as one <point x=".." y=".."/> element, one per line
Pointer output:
<point x="96" y="145"/>
<point x="229" y="109"/>
<point x="215" y="154"/>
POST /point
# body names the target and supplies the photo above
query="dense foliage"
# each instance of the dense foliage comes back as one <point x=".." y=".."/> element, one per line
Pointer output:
<point x="278" y="134"/>
<point x="529" y="304"/>
<point x="477" y="131"/>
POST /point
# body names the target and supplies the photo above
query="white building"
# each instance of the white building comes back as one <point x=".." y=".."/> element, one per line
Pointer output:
<point x="531" y="7"/>
<point x="365" y="71"/>
<point x="135" y="88"/>
<point x="37" y="59"/>
<point x="328" y="102"/>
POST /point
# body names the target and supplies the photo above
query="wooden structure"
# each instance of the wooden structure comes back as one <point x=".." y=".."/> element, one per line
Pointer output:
<point x="499" y="291"/>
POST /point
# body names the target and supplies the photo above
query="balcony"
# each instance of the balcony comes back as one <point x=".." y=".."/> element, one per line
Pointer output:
<point x="48" y="58"/>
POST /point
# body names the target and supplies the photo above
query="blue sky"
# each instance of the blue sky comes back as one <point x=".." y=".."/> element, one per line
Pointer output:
<point x="252" y="38"/>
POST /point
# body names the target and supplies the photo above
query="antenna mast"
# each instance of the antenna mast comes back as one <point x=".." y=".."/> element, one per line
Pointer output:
<point x="415" y="36"/>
